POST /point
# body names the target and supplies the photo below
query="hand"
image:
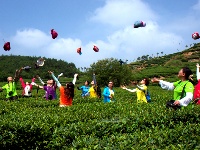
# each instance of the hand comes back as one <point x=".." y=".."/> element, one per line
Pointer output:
<point x="75" y="75"/>
<point x="177" y="103"/>
<point x="33" y="83"/>
<point x="37" y="76"/>
<point x="155" y="80"/>
<point x="123" y="87"/>
<point x="50" y="72"/>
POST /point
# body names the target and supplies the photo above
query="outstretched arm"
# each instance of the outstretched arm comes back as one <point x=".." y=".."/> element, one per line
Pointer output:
<point x="75" y="77"/>
<point x="164" y="84"/>
<point x="125" y="88"/>
<point x="55" y="79"/>
<point x="22" y="82"/>
<point x="17" y="74"/>
<point x="133" y="90"/>
<point x="33" y="81"/>
<point x="94" y="79"/>
<point x="198" y="73"/>
<point x="40" y="80"/>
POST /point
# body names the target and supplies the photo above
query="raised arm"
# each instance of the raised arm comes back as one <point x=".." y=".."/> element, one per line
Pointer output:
<point x="40" y="80"/>
<point x="33" y="81"/>
<point x="55" y="79"/>
<point x="94" y="79"/>
<point x="75" y="77"/>
<point x="17" y="74"/>
<point x="22" y="82"/>
<point x="198" y="73"/>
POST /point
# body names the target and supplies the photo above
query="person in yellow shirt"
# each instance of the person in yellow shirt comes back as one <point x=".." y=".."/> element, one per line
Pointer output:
<point x="141" y="90"/>
<point x="94" y="91"/>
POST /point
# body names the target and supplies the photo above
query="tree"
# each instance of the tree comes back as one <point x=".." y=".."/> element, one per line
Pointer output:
<point x="110" y="70"/>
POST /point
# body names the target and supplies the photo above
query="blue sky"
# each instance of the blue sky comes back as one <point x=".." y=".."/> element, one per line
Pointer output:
<point x="105" y="23"/>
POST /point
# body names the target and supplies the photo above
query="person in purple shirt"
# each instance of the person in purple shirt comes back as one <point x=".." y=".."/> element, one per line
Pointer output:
<point x="50" y="89"/>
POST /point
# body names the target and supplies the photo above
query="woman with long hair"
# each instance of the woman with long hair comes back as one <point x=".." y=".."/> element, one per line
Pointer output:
<point x="66" y="92"/>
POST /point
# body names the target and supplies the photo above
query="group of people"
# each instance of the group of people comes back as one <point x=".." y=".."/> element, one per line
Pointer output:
<point x="66" y="91"/>
<point x="184" y="90"/>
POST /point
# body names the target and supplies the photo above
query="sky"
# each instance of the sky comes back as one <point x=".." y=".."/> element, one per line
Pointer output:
<point x="26" y="24"/>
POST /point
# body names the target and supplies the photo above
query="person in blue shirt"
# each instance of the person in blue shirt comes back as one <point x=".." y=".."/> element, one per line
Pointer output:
<point x="85" y="88"/>
<point x="108" y="93"/>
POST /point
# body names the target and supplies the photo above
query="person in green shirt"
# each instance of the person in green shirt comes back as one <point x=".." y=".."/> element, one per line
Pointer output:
<point x="185" y="84"/>
<point x="10" y="87"/>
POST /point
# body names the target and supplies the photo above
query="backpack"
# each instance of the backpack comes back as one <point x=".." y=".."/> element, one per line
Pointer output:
<point x="148" y="97"/>
<point x="196" y="96"/>
<point x="170" y="104"/>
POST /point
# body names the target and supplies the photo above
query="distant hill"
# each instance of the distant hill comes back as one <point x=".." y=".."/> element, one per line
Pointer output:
<point x="8" y="65"/>
<point x="166" y="66"/>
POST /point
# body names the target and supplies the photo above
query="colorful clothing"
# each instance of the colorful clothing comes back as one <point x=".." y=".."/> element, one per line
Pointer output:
<point x="10" y="89"/>
<point x="92" y="92"/>
<point x="106" y="93"/>
<point x="197" y="88"/>
<point x="64" y="100"/>
<point x="26" y="88"/>
<point x="141" y="92"/>
<point x="178" y="88"/>
<point x="50" y="93"/>
<point x="84" y="90"/>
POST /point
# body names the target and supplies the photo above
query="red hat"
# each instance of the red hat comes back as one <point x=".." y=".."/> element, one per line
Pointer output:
<point x="54" y="34"/>
<point x="6" y="46"/>
<point x="95" y="48"/>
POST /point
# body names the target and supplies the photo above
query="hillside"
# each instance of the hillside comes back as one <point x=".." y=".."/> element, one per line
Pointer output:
<point x="167" y="65"/>
<point x="10" y="63"/>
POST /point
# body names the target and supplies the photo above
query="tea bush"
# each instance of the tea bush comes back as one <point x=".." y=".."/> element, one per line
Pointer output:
<point x="34" y="123"/>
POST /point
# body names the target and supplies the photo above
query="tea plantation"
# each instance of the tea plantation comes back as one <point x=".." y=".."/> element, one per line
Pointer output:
<point x="35" y="123"/>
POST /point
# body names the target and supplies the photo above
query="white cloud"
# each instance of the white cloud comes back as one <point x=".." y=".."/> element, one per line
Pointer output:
<point x="123" y="42"/>
<point x="31" y="38"/>
<point x="121" y="13"/>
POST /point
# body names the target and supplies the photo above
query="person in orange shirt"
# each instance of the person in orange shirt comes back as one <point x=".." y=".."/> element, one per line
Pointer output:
<point x="66" y="92"/>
